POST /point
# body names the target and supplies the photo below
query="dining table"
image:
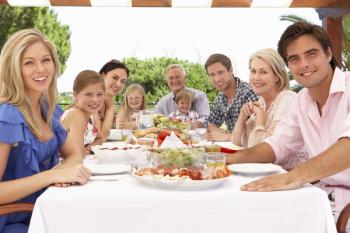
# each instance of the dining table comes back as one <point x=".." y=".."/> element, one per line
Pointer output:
<point x="124" y="204"/>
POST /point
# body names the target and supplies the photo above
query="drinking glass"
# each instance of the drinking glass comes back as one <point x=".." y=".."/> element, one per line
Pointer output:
<point x="145" y="119"/>
<point x="138" y="159"/>
<point x="214" y="159"/>
<point x="201" y="131"/>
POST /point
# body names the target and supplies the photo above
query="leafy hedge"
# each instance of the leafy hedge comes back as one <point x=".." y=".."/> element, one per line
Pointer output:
<point x="150" y="73"/>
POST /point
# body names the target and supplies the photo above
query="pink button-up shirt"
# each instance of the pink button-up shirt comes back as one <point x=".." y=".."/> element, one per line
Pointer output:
<point x="304" y="125"/>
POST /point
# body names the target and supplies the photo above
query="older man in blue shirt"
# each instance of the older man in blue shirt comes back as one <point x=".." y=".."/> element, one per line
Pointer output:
<point x="176" y="79"/>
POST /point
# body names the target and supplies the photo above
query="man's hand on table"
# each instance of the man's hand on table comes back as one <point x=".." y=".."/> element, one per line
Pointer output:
<point x="275" y="182"/>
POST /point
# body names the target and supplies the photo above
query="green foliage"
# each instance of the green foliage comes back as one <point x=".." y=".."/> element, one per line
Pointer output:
<point x="346" y="42"/>
<point x="65" y="99"/>
<point x="150" y="73"/>
<point x="13" y="19"/>
<point x="293" y="18"/>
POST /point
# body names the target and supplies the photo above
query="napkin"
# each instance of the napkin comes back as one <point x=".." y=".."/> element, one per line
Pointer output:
<point x="172" y="141"/>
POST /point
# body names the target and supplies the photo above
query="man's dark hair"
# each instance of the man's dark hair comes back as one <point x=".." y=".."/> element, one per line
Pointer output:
<point x="218" y="58"/>
<point x="298" y="29"/>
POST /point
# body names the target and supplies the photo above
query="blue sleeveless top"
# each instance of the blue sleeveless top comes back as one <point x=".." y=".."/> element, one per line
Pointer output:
<point x="28" y="155"/>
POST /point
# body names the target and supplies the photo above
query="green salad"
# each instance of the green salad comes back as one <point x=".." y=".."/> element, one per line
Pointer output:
<point x="180" y="157"/>
<point x="163" y="122"/>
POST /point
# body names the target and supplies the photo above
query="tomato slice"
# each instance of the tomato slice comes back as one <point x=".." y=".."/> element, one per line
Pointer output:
<point x="227" y="150"/>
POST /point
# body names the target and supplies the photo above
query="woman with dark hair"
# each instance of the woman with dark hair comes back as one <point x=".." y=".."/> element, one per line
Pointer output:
<point x="115" y="74"/>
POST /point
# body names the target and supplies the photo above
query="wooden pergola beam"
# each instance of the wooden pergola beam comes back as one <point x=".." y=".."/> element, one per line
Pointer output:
<point x="334" y="28"/>
<point x="3" y="2"/>
<point x="70" y="2"/>
<point x="151" y="3"/>
<point x="231" y="3"/>
<point x="321" y="3"/>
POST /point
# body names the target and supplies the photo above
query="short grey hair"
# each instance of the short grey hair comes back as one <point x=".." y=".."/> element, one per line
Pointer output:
<point x="173" y="66"/>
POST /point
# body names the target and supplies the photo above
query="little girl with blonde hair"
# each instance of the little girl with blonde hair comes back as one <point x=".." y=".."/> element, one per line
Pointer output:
<point x="134" y="101"/>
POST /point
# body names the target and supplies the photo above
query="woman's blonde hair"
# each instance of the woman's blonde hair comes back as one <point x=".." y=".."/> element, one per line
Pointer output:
<point x="12" y="88"/>
<point x="275" y="61"/>
<point x="125" y="110"/>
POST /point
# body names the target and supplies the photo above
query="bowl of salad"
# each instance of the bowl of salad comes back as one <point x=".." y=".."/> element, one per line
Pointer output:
<point x="178" y="157"/>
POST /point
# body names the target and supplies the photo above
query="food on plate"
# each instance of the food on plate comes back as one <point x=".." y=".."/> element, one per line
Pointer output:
<point x="227" y="150"/>
<point x="212" y="148"/>
<point x="163" y="122"/>
<point x="192" y="173"/>
<point x="145" y="141"/>
<point x="178" y="157"/>
<point x="119" y="148"/>
<point x="165" y="133"/>
<point x="142" y="141"/>
<point x="151" y="135"/>
<point x="139" y="133"/>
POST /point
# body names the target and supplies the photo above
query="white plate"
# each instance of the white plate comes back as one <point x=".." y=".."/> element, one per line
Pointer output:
<point x="108" y="169"/>
<point x="180" y="184"/>
<point x="255" y="168"/>
<point x="106" y="154"/>
<point x="115" y="134"/>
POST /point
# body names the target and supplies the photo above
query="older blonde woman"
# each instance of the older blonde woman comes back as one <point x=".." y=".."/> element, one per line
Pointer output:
<point x="258" y="120"/>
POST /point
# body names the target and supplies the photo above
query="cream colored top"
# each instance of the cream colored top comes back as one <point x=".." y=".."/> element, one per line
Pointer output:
<point x="255" y="134"/>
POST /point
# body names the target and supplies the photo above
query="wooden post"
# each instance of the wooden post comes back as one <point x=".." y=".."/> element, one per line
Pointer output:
<point x="70" y="2"/>
<point x="151" y="3"/>
<point x="321" y="3"/>
<point x="231" y="3"/>
<point x="334" y="28"/>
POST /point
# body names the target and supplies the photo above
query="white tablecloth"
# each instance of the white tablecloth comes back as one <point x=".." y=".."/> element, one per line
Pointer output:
<point x="128" y="206"/>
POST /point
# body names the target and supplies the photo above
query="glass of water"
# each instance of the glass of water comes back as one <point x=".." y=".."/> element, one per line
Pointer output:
<point x="145" y="119"/>
<point x="201" y="131"/>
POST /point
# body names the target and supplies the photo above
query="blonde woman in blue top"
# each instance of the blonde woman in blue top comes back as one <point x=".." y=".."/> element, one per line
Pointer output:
<point x="31" y="137"/>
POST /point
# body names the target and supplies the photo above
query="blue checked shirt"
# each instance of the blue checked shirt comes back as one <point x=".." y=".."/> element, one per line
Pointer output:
<point x="222" y="111"/>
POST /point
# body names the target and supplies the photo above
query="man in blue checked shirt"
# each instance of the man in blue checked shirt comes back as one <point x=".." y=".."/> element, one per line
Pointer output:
<point x="233" y="93"/>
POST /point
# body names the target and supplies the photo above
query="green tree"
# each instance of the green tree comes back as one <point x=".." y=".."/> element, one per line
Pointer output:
<point x="346" y="42"/>
<point x="150" y="73"/>
<point x="13" y="19"/>
<point x="293" y="18"/>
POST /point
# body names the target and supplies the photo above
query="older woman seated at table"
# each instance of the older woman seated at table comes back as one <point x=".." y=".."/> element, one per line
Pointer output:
<point x="319" y="120"/>
<point x="257" y="120"/>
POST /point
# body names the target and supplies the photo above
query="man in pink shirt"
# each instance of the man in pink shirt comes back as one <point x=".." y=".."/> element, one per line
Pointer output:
<point x="319" y="119"/>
